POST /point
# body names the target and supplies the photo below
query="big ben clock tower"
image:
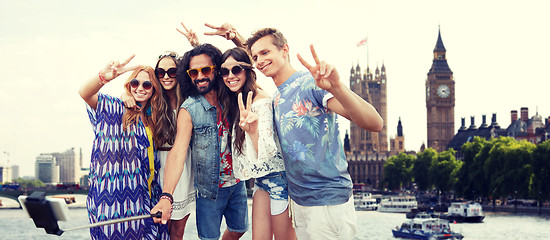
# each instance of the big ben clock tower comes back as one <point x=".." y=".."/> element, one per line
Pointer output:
<point x="440" y="100"/>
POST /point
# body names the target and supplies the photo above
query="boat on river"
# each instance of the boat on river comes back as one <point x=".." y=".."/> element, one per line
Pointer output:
<point x="365" y="202"/>
<point x="425" y="227"/>
<point x="398" y="204"/>
<point x="464" y="212"/>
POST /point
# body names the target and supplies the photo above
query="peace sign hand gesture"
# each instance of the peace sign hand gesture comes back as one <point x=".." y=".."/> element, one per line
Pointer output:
<point x="248" y="120"/>
<point x="116" y="68"/>
<point x="325" y="75"/>
<point x="226" y="30"/>
<point x="190" y="35"/>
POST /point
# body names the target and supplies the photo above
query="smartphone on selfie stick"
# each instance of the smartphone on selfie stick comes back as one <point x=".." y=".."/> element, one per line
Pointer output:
<point x="45" y="212"/>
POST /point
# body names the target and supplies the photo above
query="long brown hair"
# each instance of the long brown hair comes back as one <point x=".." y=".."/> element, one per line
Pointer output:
<point x="169" y="118"/>
<point x="156" y="103"/>
<point x="229" y="99"/>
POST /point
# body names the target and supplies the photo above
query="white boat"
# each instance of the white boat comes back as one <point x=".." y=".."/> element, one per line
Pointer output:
<point x="425" y="227"/>
<point x="398" y="204"/>
<point x="365" y="201"/>
<point x="464" y="212"/>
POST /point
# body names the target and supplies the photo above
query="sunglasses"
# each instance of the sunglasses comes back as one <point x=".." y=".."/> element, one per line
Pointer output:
<point x="168" y="54"/>
<point x="235" y="70"/>
<point x="159" y="72"/>
<point x="146" y="84"/>
<point x="194" y="73"/>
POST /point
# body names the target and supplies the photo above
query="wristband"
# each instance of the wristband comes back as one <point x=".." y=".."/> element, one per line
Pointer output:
<point x="102" y="78"/>
<point x="167" y="196"/>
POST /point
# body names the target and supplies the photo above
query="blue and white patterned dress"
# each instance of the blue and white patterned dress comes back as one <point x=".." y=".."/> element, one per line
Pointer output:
<point x="119" y="174"/>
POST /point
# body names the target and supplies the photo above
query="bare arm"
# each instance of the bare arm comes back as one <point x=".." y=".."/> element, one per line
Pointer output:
<point x="89" y="90"/>
<point x="227" y="31"/>
<point x="190" y="35"/>
<point x="174" y="163"/>
<point x="345" y="102"/>
<point x="349" y="105"/>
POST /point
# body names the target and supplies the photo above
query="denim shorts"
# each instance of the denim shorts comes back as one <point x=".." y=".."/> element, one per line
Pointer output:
<point x="231" y="203"/>
<point x="277" y="187"/>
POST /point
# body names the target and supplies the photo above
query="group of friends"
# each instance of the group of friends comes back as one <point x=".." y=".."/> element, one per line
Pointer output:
<point x="187" y="134"/>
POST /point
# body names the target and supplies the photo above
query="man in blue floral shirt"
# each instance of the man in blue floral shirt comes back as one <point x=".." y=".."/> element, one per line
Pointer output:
<point x="305" y="107"/>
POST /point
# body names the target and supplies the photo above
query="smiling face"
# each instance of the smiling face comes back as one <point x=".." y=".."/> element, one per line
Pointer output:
<point x="166" y="81"/>
<point x="203" y="83"/>
<point x="234" y="82"/>
<point x="268" y="58"/>
<point x="139" y="93"/>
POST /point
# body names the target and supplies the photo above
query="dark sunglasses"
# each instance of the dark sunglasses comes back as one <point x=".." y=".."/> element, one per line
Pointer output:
<point x="194" y="73"/>
<point x="159" y="72"/>
<point x="146" y="85"/>
<point x="235" y="70"/>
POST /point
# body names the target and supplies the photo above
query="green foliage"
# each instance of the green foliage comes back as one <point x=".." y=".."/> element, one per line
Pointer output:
<point x="422" y="164"/>
<point x="500" y="167"/>
<point x="29" y="183"/>
<point x="471" y="178"/>
<point x="539" y="182"/>
<point x="509" y="166"/>
<point x="443" y="170"/>
<point x="397" y="171"/>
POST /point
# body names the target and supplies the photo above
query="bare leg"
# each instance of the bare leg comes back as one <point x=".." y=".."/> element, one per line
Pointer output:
<point x="177" y="228"/>
<point x="228" y="235"/>
<point x="282" y="226"/>
<point x="261" y="216"/>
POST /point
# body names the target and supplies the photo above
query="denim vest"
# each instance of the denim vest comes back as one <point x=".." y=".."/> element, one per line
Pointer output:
<point x="205" y="147"/>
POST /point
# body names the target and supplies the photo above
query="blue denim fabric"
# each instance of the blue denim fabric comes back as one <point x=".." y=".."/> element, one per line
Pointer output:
<point x="204" y="146"/>
<point x="231" y="203"/>
<point x="275" y="184"/>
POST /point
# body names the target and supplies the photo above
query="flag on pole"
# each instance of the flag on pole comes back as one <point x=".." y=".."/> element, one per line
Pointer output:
<point x="362" y="42"/>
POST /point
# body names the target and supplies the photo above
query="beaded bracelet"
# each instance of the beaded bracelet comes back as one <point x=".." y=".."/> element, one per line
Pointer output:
<point x="167" y="196"/>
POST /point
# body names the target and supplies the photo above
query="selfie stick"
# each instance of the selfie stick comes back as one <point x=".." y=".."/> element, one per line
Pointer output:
<point x="121" y="220"/>
<point x="42" y="212"/>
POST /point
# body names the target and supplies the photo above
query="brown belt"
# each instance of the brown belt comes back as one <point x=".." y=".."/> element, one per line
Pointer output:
<point x="164" y="148"/>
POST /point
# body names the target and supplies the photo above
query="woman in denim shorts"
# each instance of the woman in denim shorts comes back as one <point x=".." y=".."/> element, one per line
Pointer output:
<point x="255" y="146"/>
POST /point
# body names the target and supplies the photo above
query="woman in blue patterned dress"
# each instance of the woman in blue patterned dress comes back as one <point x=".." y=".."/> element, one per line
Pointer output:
<point x="123" y="169"/>
<point x="184" y="195"/>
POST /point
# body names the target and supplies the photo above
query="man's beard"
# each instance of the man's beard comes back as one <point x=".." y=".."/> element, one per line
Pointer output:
<point x="204" y="90"/>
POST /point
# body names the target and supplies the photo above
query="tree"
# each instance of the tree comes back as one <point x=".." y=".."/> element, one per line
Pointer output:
<point x="443" y="170"/>
<point x="509" y="166"/>
<point x="420" y="169"/>
<point x="539" y="182"/>
<point x="397" y="171"/>
<point x="471" y="178"/>
<point x="29" y="183"/>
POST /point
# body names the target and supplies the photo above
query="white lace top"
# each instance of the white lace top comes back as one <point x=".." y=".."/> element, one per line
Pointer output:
<point x="269" y="158"/>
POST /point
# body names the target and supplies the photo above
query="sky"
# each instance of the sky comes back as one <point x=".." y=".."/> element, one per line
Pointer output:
<point x="498" y="51"/>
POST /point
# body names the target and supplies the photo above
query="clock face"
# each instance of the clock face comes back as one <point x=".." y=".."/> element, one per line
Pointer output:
<point x="443" y="91"/>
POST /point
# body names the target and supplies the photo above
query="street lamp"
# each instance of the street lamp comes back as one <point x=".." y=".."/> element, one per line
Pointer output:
<point x="516" y="202"/>
<point x="540" y="203"/>
<point x="494" y="200"/>
<point x="8" y="169"/>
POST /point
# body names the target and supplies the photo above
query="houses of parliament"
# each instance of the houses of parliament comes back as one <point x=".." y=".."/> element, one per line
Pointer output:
<point x="368" y="151"/>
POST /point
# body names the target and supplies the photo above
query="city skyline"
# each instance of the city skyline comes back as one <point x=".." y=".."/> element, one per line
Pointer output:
<point x="496" y="50"/>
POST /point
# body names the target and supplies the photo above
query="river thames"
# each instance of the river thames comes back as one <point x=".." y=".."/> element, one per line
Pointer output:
<point x="15" y="224"/>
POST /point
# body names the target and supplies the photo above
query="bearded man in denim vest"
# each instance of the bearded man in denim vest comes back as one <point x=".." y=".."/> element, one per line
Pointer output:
<point x="201" y="127"/>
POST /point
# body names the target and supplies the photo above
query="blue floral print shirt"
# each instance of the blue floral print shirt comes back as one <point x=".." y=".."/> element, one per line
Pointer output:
<point x="313" y="153"/>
